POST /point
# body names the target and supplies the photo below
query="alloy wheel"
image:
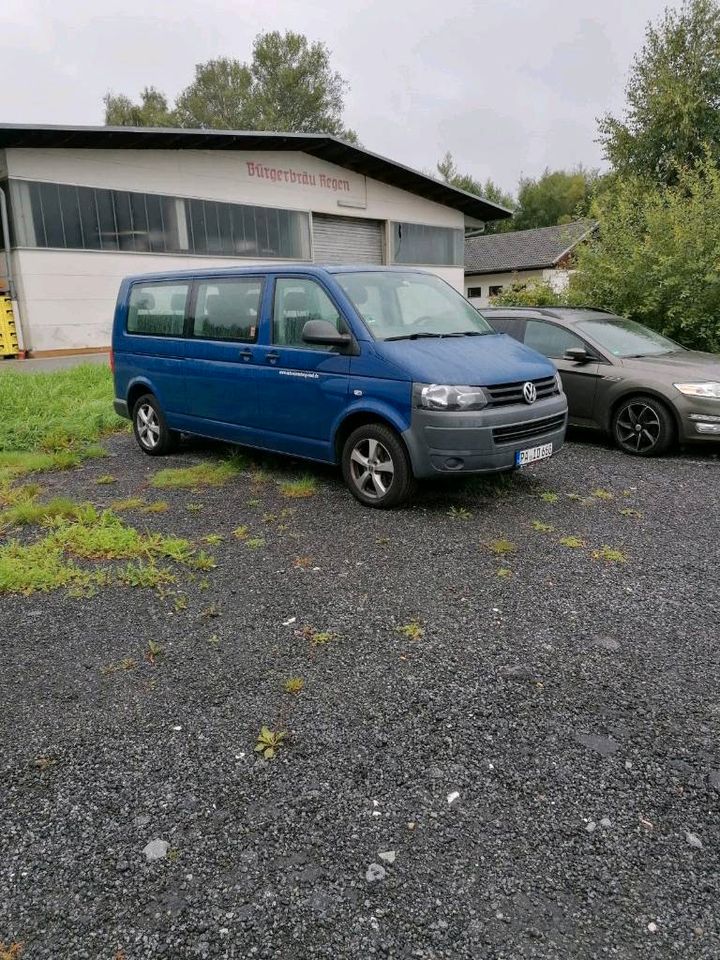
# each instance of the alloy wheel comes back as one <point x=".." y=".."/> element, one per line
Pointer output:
<point x="638" y="427"/>
<point x="372" y="468"/>
<point x="148" y="426"/>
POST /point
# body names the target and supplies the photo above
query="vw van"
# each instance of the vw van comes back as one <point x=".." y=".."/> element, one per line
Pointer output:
<point x="389" y="373"/>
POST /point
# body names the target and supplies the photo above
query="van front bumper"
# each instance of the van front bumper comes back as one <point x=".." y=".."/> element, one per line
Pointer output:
<point x="486" y="441"/>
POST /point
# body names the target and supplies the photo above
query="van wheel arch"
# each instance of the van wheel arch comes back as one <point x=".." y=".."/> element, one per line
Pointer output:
<point x="361" y="419"/>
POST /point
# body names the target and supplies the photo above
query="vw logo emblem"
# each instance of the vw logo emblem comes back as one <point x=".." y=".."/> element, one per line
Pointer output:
<point x="529" y="392"/>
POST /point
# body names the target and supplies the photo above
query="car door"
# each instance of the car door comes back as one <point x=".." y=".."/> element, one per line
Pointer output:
<point x="221" y="353"/>
<point x="580" y="380"/>
<point x="302" y="388"/>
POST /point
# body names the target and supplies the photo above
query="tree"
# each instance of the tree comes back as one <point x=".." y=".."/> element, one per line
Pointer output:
<point x="288" y="85"/>
<point x="535" y="293"/>
<point x="673" y="96"/>
<point x="655" y="258"/>
<point x="489" y="190"/>
<point x="558" y="196"/>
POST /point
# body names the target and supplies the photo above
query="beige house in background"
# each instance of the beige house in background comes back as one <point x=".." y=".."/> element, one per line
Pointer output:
<point x="495" y="261"/>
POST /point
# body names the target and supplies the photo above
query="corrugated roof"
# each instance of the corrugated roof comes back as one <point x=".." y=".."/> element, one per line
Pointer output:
<point x="524" y="249"/>
<point x="318" y="145"/>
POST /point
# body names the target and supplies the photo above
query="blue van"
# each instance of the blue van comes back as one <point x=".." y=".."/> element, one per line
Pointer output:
<point x="388" y="372"/>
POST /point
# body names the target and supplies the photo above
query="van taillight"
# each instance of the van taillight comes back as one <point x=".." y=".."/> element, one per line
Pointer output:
<point x="112" y="361"/>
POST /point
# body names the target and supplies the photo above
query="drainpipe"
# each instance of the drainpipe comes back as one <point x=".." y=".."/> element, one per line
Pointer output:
<point x="5" y="223"/>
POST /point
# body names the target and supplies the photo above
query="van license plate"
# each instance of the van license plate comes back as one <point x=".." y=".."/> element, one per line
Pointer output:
<point x="523" y="457"/>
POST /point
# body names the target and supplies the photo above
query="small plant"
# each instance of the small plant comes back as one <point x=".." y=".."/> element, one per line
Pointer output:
<point x="180" y="603"/>
<point x="214" y="640"/>
<point x="542" y="527"/>
<point x="601" y="494"/>
<point x="549" y="496"/>
<point x="13" y="951"/>
<point x="44" y="763"/>
<point x="269" y="742"/>
<point x="127" y="663"/>
<point x="241" y="533"/>
<point x="153" y="651"/>
<point x="202" y="561"/>
<point x="129" y="503"/>
<point x="609" y="555"/>
<point x="255" y="543"/>
<point x="254" y="502"/>
<point x="294" y="685"/>
<point x="574" y="496"/>
<point x="630" y="512"/>
<point x="213" y="539"/>
<point x="212" y="611"/>
<point x="202" y="475"/>
<point x="303" y="563"/>
<point x="145" y="575"/>
<point x="459" y="513"/>
<point x="194" y="507"/>
<point x="29" y="512"/>
<point x="203" y="584"/>
<point x="501" y="547"/>
<point x="304" y="486"/>
<point x="572" y="542"/>
<point x="269" y="517"/>
<point x="412" y="630"/>
<point x="382" y="541"/>
<point x="316" y="637"/>
<point x="504" y="572"/>
<point x="105" y="480"/>
<point x="157" y="506"/>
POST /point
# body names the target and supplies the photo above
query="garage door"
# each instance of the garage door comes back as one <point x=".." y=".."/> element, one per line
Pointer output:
<point x="347" y="239"/>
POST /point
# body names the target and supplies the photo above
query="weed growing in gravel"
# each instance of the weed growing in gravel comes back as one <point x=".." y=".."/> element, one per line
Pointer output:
<point x="601" y="494"/>
<point x="44" y="763"/>
<point x="194" y="507"/>
<point x="153" y="651"/>
<point x="253" y="503"/>
<point x="214" y="640"/>
<point x="304" y="486"/>
<point x="269" y="742"/>
<point x="241" y="533"/>
<point x="105" y="480"/>
<point x="501" y="547"/>
<point x="574" y="543"/>
<point x="202" y="561"/>
<point x="382" y="541"/>
<point x="213" y="538"/>
<point x="212" y="611"/>
<point x="29" y="512"/>
<point x="127" y="663"/>
<point x="412" y="630"/>
<point x="157" y="506"/>
<point x="103" y="535"/>
<point x="294" y="685"/>
<point x="269" y="517"/>
<point x="10" y="496"/>
<point x="504" y="572"/>
<point x="13" y="951"/>
<point x="542" y="527"/>
<point x="39" y="567"/>
<point x="549" y="496"/>
<point x="459" y="513"/>
<point x="145" y="575"/>
<point x="630" y="512"/>
<point x="255" y="543"/>
<point x="203" y="475"/>
<point x="180" y="603"/>
<point x="129" y="503"/>
<point x="609" y="555"/>
<point x="317" y="638"/>
<point x="303" y="563"/>
<point x="16" y="464"/>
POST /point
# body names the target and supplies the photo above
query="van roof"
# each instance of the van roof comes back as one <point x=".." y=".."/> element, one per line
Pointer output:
<point x="308" y="269"/>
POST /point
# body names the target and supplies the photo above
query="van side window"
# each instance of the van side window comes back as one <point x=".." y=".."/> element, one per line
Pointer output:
<point x="157" y="309"/>
<point x="298" y="300"/>
<point x="228" y="309"/>
<point x="549" y="339"/>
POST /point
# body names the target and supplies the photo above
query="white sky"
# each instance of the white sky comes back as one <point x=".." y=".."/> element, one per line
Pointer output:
<point x="509" y="86"/>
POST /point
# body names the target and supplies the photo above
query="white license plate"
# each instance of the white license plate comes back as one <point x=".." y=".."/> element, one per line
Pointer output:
<point x="523" y="457"/>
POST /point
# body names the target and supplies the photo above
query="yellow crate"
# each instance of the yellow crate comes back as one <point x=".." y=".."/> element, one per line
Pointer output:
<point x="8" y="334"/>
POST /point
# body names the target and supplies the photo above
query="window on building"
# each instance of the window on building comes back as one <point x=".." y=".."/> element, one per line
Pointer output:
<point x="228" y="309"/>
<point x="91" y="218"/>
<point x="157" y="309"/>
<point x="474" y="292"/>
<point x="495" y="290"/>
<point x="549" y="339"/>
<point x="421" y="244"/>
<point x="296" y="302"/>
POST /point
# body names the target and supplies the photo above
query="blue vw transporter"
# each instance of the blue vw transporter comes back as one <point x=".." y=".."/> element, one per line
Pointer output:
<point x="390" y="373"/>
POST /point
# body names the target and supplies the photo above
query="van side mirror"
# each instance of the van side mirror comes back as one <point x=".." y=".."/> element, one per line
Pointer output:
<point x="577" y="355"/>
<point x="324" y="334"/>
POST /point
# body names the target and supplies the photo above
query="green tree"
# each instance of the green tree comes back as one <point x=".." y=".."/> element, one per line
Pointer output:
<point x="288" y="85"/>
<point x="535" y="293"/>
<point x="558" y="196"/>
<point x="673" y="96"/>
<point x="449" y="173"/>
<point x="657" y="254"/>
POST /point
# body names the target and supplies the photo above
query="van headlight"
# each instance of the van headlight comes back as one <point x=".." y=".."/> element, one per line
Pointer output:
<point x="558" y="383"/>
<point x="438" y="396"/>
<point x="706" y="388"/>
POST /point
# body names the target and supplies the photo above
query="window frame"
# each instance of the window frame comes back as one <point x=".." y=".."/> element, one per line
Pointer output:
<point x="471" y="295"/>
<point x="350" y="348"/>
<point x="161" y="283"/>
<point x="190" y="314"/>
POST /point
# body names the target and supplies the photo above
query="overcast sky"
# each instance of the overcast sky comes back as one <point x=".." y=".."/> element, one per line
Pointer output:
<point x="509" y="86"/>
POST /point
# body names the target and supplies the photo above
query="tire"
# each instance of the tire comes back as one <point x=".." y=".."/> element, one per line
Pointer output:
<point x="368" y="448"/>
<point x="152" y="433"/>
<point x="643" y="426"/>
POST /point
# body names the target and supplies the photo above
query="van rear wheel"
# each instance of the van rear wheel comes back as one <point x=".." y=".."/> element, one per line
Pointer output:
<point x="152" y="433"/>
<point x="376" y="466"/>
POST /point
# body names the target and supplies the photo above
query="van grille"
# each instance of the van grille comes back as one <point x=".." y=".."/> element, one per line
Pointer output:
<point x="526" y="431"/>
<point x="503" y="394"/>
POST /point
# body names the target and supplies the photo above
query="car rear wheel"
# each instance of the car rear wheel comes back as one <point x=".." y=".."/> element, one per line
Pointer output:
<point x="643" y="427"/>
<point x="152" y="433"/>
<point x="376" y="466"/>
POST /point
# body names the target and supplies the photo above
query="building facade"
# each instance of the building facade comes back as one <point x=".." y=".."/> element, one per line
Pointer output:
<point x="89" y="206"/>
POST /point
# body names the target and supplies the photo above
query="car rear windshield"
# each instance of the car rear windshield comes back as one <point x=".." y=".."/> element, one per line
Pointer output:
<point x="627" y="338"/>
<point x="407" y="306"/>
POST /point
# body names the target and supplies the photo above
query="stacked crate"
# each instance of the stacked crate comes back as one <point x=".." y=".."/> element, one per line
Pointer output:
<point x="8" y="332"/>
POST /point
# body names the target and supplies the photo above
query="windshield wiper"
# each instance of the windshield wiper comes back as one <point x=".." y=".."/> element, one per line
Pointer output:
<point x="469" y="333"/>
<point x="414" y="336"/>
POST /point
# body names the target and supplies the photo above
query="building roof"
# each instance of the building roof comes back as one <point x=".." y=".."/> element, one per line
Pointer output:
<point x="318" y="145"/>
<point x="524" y="249"/>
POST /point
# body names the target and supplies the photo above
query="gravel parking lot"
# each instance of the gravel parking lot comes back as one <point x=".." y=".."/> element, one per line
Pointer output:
<point x="506" y="746"/>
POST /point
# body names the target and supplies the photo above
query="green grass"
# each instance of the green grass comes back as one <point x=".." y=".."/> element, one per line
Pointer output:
<point x="609" y="555"/>
<point x="304" y="486"/>
<point x="145" y="575"/>
<point x="128" y="503"/>
<point x="203" y="475"/>
<point x="28" y="512"/>
<point x="572" y="542"/>
<point x="56" y="411"/>
<point x="501" y="547"/>
<point x="541" y="527"/>
<point x="39" y="567"/>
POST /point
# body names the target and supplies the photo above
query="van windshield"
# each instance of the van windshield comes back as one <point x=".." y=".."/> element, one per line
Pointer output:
<point x="407" y="306"/>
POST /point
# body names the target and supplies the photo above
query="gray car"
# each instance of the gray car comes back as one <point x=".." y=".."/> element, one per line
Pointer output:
<point x="641" y="388"/>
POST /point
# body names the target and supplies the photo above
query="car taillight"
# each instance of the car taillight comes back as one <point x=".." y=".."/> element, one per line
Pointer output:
<point x="112" y="361"/>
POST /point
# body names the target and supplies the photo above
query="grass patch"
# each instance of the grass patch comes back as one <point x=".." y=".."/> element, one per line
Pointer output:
<point x="39" y="567"/>
<point x="503" y="572"/>
<point x="294" y="685"/>
<point x="129" y="503"/>
<point x="549" y="496"/>
<point x="542" y="527"/>
<point x="609" y="555"/>
<point x="572" y="542"/>
<point x="105" y="480"/>
<point x="459" y="513"/>
<point x="601" y="494"/>
<point x="630" y="512"/>
<point x="255" y="543"/>
<point x="304" y="486"/>
<point x="10" y="495"/>
<point x="145" y="575"/>
<point x="412" y="630"/>
<point x="241" y="533"/>
<point x="28" y="512"/>
<point x="501" y="547"/>
<point x="202" y="475"/>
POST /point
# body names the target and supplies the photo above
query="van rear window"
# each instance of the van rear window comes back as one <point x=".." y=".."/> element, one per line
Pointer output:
<point x="157" y="309"/>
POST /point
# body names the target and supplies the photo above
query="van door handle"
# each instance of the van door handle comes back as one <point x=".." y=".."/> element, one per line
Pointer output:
<point x="246" y="354"/>
<point x="272" y="356"/>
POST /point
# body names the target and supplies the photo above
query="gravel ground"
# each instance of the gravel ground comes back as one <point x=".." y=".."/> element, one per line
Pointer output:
<point x="537" y="774"/>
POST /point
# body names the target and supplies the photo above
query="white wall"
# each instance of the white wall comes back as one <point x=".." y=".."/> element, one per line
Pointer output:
<point x="67" y="297"/>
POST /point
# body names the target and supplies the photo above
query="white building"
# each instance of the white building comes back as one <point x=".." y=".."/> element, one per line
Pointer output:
<point x="544" y="255"/>
<point x="90" y="205"/>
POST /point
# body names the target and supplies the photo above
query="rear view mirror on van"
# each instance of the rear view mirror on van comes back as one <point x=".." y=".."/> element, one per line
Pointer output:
<point x="325" y="334"/>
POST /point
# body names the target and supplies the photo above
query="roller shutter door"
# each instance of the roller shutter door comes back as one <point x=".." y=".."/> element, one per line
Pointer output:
<point x="347" y="239"/>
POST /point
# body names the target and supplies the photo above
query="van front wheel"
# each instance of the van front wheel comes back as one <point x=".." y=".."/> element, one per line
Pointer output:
<point x="152" y="433"/>
<point x="376" y="466"/>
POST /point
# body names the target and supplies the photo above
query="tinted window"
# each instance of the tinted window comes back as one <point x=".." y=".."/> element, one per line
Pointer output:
<point x="157" y="308"/>
<point x="513" y="326"/>
<point x="296" y="302"/>
<point x="550" y="339"/>
<point x="422" y="244"/>
<point x="228" y="309"/>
